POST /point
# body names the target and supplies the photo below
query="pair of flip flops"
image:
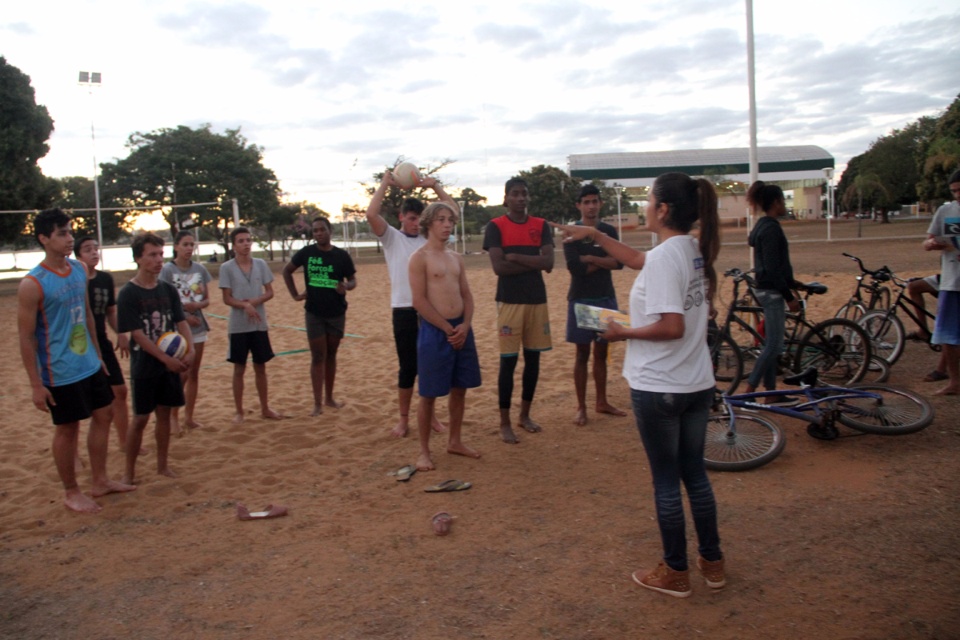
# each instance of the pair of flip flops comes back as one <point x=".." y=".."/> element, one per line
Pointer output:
<point x="449" y="485"/>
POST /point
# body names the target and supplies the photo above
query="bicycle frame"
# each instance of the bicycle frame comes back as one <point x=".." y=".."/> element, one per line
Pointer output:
<point x="810" y="411"/>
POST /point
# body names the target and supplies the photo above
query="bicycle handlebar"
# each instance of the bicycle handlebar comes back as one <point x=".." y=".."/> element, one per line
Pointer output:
<point x="881" y="275"/>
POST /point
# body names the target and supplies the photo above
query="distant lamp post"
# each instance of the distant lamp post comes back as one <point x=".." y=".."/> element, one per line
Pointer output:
<point x="91" y="79"/>
<point x="620" y="191"/>
<point x="828" y="174"/>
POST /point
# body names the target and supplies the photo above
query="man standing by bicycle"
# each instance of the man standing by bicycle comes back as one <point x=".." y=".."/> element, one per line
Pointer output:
<point x="944" y="236"/>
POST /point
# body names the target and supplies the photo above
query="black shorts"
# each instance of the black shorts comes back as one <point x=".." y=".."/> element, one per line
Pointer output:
<point x="78" y="401"/>
<point x="164" y="390"/>
<point x="318" y="327"/>
<point x="115" y="373"/>
<point x="256" y="343"/>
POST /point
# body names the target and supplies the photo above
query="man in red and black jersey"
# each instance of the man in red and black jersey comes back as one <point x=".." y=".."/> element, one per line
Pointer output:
<point x="520" y="247"/>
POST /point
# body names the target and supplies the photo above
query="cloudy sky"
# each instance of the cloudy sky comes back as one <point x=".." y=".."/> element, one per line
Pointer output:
<point x="335" y="91"/>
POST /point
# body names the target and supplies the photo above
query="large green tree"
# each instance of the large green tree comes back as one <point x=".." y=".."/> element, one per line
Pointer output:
<point x="940" y="157"/>
<point x="890" y="166"/>
<point x="183" y="165"/>
<point x="25" y="128"/>
<point x="552" y="193"/>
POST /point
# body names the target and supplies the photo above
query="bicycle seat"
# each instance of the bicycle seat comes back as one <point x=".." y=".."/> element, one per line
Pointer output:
<point x="815" y="288"/>
<point x="807" y="378"/>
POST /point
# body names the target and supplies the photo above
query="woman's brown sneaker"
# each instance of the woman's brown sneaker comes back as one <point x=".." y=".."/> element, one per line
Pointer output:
<point x="665" y="580"/>
<point x="712" y="572"/>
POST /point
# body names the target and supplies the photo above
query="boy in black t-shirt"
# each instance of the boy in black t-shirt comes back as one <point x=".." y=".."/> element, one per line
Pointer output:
<point x="148" y="307"/>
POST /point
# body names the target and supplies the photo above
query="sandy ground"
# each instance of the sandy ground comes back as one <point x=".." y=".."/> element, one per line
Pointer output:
<point x="854" y="538"/>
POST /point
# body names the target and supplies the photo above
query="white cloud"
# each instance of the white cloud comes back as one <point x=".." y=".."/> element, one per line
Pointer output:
<point x="335" y="93"/>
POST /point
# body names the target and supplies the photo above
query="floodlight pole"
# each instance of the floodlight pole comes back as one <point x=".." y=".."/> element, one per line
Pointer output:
<point x="752" y="88"/>
<point x="90" y="80"/>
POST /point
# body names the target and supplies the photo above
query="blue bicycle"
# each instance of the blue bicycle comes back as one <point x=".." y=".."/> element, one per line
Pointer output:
<point x="738" y="438"/>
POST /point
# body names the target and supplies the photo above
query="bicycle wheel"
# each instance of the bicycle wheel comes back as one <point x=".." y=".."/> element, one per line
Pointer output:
<point x="886" y="334"/>
<point x="751" y="442"/>
<point x="727" y="361"/>
<point x="851" y="311"/>
<point x="878" y="371"/>
<point x="897" y="412"/>
<point x="839" y="349"/>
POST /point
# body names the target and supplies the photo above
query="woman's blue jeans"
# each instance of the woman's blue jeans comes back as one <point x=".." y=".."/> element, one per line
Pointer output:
<point x="673" y="428"/>
<point x="774" y="322"/>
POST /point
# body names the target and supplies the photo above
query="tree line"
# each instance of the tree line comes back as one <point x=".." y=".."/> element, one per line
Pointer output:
<point x="907" y="166"/>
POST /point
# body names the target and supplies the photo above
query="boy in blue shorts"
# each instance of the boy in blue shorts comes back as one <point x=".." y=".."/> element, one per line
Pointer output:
<point x="148" y="307"/>
<point x="447" y="360"/>
<point x="62" y="360"/>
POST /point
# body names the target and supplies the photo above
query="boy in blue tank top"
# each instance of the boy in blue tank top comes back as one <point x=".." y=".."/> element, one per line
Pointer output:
<point x="62" y="360"/>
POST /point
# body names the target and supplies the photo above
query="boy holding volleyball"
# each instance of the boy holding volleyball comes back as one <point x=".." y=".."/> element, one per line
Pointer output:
<point x="148" y="307"/>
<point x="62" y="360"/>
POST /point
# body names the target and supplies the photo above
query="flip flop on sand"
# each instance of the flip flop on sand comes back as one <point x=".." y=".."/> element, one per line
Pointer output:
<point x="449" y="485"/>
<point x="404" y="473"/>
<point x="441" y="523"/>
<point x="269" y="511"/>
<point x="935" y="376"/>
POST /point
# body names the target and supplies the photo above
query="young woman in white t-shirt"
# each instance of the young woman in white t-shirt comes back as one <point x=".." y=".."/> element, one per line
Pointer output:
<point x="668" y="367"/>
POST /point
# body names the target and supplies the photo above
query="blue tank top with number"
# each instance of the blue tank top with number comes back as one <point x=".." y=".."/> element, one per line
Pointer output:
<point x="65" y="352"/>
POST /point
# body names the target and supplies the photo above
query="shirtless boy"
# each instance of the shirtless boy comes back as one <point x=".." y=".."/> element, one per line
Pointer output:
<point x="148" y="307"/>
<point x="246" y="284"/>
<point x="447" y="360"/>
<point x="398" y="246"/>
<point x="62" y="360"/>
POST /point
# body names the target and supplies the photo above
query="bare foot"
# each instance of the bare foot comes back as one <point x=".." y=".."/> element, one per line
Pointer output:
<point x="425" y="463"/>
<point x="111" y="486"/>
<point x="193" y="424"/>
<point x="529" y="425"/>
<point x="581" y="418"/>
<point x="336" y="404"/>
<point x="127" y="480"/>
<point x="167" y="472"/>
<point x="401" y="430"/>
<point x="438" y="426"/>
<point x="461" y="449"/>
<point x="270" y="414"/>
<point x="317" y="411"/>
<point x="507" y="434"/>
<point x="80" y="502"/>
<point x="609" y="408"/>
<point x="949" y="390"/>
<point x="175" y="428"/>
<point x="237" y="418"/>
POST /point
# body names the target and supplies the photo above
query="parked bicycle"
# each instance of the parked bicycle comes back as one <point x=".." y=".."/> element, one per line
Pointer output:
<point x="839" y="349"/>
<point x="867" y="296"/>
<point x="738" y="438"/>
<point x="881" y="322"/>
